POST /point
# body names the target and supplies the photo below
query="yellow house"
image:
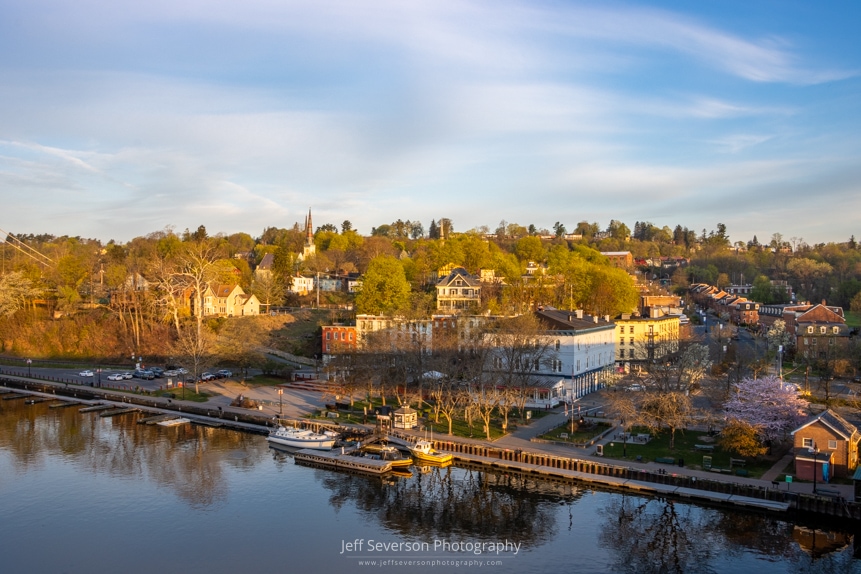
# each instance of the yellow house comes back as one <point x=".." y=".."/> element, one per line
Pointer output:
<point x="229" y="301"/>
<point x="642" y="339"/>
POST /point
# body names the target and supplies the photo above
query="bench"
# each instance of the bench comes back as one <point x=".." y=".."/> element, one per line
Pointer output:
<point x="665" y="460"/>
<point x="705" y="447"/>
<point x="737" y="461"/>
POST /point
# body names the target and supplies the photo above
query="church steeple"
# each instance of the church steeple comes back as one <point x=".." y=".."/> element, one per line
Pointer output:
<point x="310" y="248"/>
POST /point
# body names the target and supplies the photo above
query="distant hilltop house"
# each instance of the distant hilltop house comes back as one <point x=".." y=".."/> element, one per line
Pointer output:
<point x="264" y="269"/>
<point x="458" y="291"/>
<point x="227" y="301"/>
<point x="620" y="259"/>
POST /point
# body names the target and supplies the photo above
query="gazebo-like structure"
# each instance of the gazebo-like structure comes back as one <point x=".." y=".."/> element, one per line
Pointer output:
<point x="405" y="418"/>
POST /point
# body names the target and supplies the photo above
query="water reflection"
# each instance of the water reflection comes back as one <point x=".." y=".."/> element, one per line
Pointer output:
<point x="189" y="459"/>
<point x="232" y="476"/>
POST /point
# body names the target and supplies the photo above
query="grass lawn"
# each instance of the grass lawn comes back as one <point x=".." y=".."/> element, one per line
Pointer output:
<point x="581" y="435"/>
<point x="659" y="447"/>
<point x="853" y="319"/>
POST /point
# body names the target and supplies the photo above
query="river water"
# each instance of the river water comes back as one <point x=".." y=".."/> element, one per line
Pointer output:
<point x="84" y="494"/>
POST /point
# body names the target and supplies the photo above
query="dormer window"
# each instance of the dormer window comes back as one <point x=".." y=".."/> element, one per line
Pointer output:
<point x="810" y="330"/>
<point x="822" y="330"/>
<point x="835" y="330"/>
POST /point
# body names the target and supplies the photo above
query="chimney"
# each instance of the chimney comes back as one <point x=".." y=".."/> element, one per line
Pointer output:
<point x="594" y="318"/>
<point x="606" y="318"/>
<point x="579" y="313"/>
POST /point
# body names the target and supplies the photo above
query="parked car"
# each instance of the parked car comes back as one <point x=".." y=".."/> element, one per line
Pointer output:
<point x="128" y="375"/>
<point x="116" y="377"/>
<point x="224" y="373"/>
<point x="157" y="371"/>
<point x="143" y="374"/>
<point x="85" y="373"/>
<point x="207" y="377"/>
<point x="171" y="373"/>
<point x="635" y="387"/>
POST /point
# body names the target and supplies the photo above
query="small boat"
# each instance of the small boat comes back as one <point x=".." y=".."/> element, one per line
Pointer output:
<point x="301" y="438"/>
<point x="173" y="422"/>
<point x="425" y="452"/>
<point x="388" y="453"/>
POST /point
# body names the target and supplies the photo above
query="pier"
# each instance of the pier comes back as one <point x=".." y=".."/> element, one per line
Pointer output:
<point x="343" y="460"/>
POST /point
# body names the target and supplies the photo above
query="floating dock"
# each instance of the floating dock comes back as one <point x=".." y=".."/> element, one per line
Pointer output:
<point x="115" y="412"/>
<point x="39" y="400"/>
<point x="96" y="408"/>
<point x="13" y="396"/>
<point x="344" y="461"/>
<point x="63" y="404"/>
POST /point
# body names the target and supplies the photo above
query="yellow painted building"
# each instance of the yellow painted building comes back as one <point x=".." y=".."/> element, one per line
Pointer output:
<point x="643" y="339"/>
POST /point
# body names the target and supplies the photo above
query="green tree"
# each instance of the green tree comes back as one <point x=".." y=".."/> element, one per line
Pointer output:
<point x="385" y="289"/>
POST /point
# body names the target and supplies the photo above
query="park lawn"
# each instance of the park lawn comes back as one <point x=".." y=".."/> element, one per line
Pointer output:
<point x="580" y="436"/>
<point x="659" y="447"/>
<point x="853" y="318"/>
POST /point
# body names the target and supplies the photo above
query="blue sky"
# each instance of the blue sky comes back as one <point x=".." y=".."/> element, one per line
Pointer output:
<point x="120" y="118"/>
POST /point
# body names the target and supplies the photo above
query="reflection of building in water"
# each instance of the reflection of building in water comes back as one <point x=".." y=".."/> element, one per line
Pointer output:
<point x="818" y="542"/>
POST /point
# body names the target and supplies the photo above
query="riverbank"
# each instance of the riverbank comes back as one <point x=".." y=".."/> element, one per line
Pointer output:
<point x="517" y="452"/>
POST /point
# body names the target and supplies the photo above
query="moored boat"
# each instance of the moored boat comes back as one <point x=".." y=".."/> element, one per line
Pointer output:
<point x="301" y="438"/>
<point x="388" y="453"/>
<point x="424" y="451"/>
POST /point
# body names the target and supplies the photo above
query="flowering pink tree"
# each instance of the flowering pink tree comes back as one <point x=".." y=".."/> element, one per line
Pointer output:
<point x="768" y="404"/>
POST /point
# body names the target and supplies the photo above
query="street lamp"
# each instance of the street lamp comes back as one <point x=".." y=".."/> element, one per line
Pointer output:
<point x="780" y="362"/>
<point x="29" y="362"/>
<point x="624" y="440"/>
<point x="815" y="451"/>
<point x="280" y="410"/>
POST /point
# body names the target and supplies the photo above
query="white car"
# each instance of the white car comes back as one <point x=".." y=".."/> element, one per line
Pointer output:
<point x="85" y="374"/>
<point x="116" y="377"/>
<point x="127" y="375"/>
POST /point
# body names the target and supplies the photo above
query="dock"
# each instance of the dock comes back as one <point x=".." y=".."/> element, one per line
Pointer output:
<point x="623" y="482"/>
<point x="36" y="400"/>
<point x="120" y="411"/>
<point x="96" y="408"/>
<point x="63" y="404"/>
<point x="344" y="461"/>
<point x="13" y="396"/>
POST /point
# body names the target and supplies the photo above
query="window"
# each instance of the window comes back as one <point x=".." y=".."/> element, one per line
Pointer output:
<point x="832" y="445"/>
<point x="631" y="329"/>
<point x="622" y="341"/>
<point x="810" y="330"/>
<point x="835" y="330"/>
<point x="328" y="335"/>
<point x="558" y="344"/>
<point x="336" y="335"/>
<point x="822" y="330"/>
<point x="807" y="442"/>
<point x="630" y="340"/>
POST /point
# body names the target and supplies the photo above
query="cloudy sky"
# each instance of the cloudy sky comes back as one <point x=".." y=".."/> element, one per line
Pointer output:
<point x="119" y="118"/>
